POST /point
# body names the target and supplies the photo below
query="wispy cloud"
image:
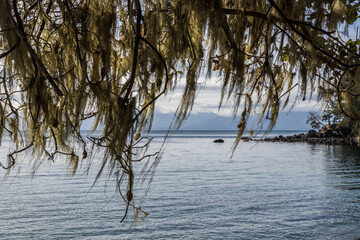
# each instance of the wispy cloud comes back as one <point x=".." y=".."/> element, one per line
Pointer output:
<point x="208" y="99"/>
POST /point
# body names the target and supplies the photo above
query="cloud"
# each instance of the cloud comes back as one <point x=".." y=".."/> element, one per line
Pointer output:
<point x="208" y="99"/>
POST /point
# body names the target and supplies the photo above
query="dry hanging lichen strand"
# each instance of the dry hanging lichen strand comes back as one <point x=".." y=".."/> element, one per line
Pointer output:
<point x="110" y="60"/>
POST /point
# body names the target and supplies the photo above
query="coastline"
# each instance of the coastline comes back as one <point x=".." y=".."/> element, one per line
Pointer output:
<point x="327" y="137"/>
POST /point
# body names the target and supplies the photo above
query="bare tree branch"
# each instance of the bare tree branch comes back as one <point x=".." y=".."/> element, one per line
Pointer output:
<point x="22" y="35"/>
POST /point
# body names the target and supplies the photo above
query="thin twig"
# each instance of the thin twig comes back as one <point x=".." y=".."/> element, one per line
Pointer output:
<point x="166" y="75"/>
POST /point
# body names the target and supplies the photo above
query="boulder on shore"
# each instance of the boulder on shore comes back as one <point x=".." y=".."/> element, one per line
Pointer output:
<point x="311" y="133"/>
<point x="329" y="133"/>
<point x="218" y="140"/>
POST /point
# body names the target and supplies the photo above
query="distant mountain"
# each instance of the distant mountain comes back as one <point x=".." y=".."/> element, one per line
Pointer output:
<point x="200" y="121"/>
<point x="212" y="121"/>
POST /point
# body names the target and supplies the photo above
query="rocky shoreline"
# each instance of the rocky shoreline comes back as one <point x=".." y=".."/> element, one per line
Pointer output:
<point x="329" y="137"/>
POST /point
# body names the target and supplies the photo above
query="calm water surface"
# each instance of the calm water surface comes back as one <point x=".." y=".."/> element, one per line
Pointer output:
<point x="266" y="191"/>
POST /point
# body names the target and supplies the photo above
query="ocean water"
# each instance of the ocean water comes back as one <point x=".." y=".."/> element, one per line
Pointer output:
<point x="265" y="191"/>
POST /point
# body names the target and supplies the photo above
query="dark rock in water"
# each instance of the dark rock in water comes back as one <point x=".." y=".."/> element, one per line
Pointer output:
<point x="311" y="133"/>
<point x="218" y="141"/>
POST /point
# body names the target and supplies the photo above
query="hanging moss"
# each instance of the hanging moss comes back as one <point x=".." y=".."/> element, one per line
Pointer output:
<point x="67" y="61"/>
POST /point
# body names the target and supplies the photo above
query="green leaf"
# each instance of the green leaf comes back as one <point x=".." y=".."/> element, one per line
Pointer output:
<point x="350" y="42"/>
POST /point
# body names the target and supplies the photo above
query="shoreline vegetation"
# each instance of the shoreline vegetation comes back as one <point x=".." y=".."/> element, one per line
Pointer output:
<point x="329" y="134"/>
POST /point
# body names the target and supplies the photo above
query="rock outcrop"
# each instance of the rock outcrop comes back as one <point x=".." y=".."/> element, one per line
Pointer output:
<point x="330" y="134"/>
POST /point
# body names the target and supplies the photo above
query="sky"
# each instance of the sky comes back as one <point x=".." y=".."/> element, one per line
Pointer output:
<point x="207" y="116"/>
<point x="207" y="100"/>
<point x="208" y="97"/>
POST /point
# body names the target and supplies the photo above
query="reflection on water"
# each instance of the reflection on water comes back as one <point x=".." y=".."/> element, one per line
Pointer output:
<point x="266" y="191"/>
<point x="344" y="162"/>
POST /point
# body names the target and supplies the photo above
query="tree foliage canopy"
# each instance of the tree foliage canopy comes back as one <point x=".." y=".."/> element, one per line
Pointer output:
<point x="110" y="60"/>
